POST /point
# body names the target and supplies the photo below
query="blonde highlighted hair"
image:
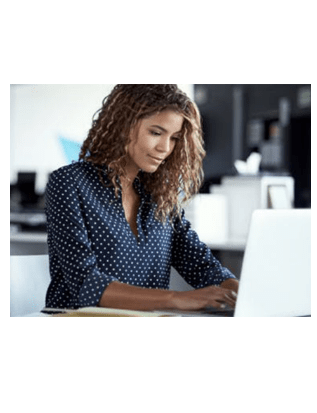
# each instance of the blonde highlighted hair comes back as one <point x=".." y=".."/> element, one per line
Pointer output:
<point x="181" y="175"/>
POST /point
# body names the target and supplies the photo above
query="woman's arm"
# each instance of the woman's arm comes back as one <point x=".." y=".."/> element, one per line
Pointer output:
<point x="194" y="260"/>
<point x="77" y="280"/>
<point x="231" y="284"/>
<point x="118" y="295"/>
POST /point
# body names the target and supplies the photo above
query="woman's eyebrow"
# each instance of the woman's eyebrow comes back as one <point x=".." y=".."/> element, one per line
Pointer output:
<point x="160" y="127"/>
<point x="163" y="129"/>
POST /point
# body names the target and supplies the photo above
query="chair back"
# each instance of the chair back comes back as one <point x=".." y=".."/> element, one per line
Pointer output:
<point x="29" y="280"/>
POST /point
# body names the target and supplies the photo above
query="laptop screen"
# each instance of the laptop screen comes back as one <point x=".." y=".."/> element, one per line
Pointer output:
<point x="276" y="270"/>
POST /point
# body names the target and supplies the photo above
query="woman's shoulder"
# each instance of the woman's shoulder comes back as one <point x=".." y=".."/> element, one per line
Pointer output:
<point x="73" y="171"/>
<point x="79" y="176"/>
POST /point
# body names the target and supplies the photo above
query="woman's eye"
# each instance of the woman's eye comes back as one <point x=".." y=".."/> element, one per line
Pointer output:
<point x="154" y="133"/>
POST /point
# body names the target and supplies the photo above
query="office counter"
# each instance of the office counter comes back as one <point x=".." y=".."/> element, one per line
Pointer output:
<point x="28" y="243"/>
<point x="230" y="253"/>
<point x="28" y="233"/>
<point x="40" y="239"/>
<point x="25" y="237"/>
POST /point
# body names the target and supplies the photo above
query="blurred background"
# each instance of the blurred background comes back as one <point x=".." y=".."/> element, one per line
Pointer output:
<point x="257" y="139"/>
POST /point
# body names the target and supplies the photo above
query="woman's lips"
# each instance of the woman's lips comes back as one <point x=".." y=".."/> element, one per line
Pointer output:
<point x="156" y="159"/>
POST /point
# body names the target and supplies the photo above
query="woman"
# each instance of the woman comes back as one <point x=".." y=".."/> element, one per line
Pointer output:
<point x="115" y="222"/>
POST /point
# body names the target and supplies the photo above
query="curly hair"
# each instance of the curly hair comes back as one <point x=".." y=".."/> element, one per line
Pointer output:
<point x="177" y="179"/>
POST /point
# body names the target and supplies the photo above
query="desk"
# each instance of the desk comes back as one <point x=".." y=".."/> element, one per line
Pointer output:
<point x="112" y="312"/>
<point x="97" y="312"/>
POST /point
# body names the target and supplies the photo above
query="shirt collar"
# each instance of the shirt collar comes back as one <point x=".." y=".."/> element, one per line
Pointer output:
<point x="137" y="183"/>
<point x="139" y="187"/>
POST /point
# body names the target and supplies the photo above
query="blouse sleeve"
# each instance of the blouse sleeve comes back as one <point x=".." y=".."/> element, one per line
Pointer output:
<point x="193" y="259"/>
<point x="73" y="266"/>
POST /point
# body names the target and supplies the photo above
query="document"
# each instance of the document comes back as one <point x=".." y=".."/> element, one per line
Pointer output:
<point x="103" y="312"/>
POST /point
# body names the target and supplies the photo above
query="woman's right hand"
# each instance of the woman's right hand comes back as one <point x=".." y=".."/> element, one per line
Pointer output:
<point x="124" y="296"/>
<point x="212" y="296"/>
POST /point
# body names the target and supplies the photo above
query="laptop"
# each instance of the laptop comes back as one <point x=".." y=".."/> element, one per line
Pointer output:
<point x="275" y="279"/>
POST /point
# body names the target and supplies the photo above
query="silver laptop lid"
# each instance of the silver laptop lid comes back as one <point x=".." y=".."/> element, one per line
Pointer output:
<point x="276" y="270"/>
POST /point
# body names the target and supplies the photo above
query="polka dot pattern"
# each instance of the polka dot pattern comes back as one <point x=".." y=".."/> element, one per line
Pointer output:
<point x="91" y="243"/>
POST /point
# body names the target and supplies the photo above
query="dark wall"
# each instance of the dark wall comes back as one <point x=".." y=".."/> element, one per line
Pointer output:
<point x="258" y="105"/>
<point x="216" y="108"/>
<point x="262" y="101"/>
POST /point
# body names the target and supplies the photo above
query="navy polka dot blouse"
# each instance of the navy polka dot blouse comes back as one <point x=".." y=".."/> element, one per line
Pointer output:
<point x="91" y="244"/>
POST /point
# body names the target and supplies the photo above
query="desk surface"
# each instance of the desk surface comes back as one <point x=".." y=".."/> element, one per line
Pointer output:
<point x="111" y="312"/>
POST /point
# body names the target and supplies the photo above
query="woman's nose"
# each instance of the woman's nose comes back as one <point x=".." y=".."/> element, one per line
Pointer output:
<point x="164" y="145"/>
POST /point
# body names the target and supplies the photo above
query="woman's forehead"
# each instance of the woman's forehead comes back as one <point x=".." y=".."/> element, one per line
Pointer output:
<point x="167" y="119"/>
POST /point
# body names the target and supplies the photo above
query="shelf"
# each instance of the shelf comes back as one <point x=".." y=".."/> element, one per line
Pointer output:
<point x="230" y="245"/>
<point x="36" y="237"/>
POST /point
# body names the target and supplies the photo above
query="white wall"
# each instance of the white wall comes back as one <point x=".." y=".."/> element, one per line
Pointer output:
<point x="40" y="114"/>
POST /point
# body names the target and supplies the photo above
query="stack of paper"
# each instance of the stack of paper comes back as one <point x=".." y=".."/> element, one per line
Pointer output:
<point x="106" y="312"/>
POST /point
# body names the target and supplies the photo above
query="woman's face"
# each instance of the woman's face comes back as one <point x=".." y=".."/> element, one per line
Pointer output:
<point x="153" y="140"/>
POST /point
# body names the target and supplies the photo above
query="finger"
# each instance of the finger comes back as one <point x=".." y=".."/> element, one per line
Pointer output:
<point x="227" y="299"/>
<point x="218" y="305"/>
<point x="231" y="293"/>
<point x="218" y="296"/>
<point x="230" y="297"/>
<point x="222" y="306"/>
<point x="230" y="301"/>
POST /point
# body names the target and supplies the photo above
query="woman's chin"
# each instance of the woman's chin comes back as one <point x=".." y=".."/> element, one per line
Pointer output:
<point x="149" y="168"/>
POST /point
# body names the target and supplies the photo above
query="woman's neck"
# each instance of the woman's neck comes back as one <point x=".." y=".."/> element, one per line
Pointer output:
<point x="129" y="177"/>
<point x="131" y="171"/>
<point x="126" y="183"/>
